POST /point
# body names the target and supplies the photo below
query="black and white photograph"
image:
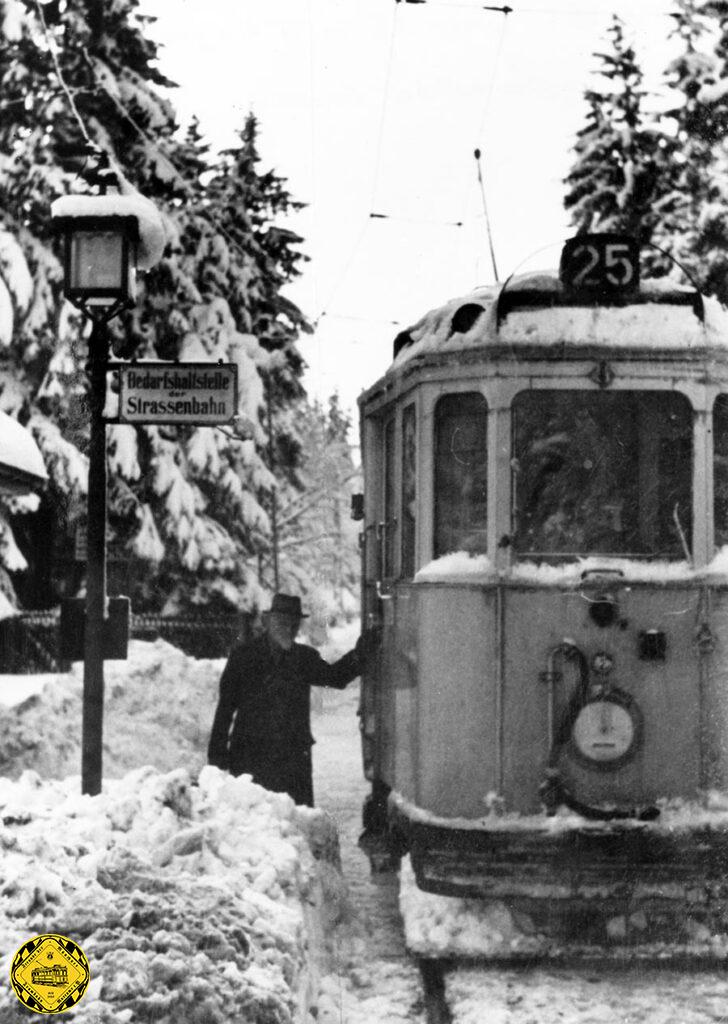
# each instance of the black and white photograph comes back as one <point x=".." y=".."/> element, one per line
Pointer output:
<point x="364" y="511"/>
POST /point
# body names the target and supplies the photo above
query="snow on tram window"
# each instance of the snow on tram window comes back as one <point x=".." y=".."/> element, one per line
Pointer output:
<point x="602" y="473"/>
<point x="461" y="430"/>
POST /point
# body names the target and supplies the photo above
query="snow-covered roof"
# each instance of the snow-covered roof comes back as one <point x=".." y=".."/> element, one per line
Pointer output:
<point x="532" y="310"/>
<point x="21" y="463"/>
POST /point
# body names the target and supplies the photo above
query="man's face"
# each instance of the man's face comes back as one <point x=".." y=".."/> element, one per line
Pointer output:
<point x="283" y="629"/>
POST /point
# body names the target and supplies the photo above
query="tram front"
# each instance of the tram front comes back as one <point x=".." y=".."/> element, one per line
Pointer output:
<point x="546" y="509"/>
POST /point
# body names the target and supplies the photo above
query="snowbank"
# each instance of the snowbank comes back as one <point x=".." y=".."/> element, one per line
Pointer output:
<point x="159" y="706"/>
<point x="191" y="902"/>
<point x="195" y="902"/>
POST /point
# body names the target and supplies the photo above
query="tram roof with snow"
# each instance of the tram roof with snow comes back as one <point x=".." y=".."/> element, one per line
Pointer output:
<point x="546" y="547"/>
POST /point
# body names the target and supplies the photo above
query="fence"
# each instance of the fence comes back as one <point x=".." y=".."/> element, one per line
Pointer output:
<point x="29" y="641"/>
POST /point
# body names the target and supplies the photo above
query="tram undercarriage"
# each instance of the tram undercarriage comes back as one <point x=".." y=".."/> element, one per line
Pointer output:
<point x="622" y="888"/>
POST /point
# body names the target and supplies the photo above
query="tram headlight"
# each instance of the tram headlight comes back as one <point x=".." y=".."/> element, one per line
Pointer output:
<point x="607" y="731"/>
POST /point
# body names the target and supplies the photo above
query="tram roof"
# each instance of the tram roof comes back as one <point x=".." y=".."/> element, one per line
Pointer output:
<point x="532" y="312"/>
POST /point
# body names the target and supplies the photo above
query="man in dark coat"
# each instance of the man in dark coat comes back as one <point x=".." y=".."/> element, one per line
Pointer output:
<point x="262" y="724"/>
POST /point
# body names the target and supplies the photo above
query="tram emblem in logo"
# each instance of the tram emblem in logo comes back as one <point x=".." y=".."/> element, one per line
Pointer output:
<point x="49" y="973"/>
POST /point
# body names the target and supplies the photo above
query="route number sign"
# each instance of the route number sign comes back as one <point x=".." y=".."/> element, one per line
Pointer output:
<point x="600" y="266"/>
<point x="199" y="393"/>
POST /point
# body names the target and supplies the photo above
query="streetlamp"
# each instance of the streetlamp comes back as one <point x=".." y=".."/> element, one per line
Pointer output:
<point x="103" y="238"/>
<point x="99" y="262"/>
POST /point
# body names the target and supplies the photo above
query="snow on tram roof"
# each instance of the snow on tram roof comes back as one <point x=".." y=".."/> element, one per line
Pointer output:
<point x="664" y="315"/>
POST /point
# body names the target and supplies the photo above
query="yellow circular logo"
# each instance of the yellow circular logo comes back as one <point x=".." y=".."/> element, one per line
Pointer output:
<point x="49" y="974"/>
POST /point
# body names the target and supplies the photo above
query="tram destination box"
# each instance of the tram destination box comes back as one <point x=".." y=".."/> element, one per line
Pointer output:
<point x="199" y="393"/>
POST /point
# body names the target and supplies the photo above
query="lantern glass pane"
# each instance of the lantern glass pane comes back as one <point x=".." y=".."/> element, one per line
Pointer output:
<point x="97" y="261"/>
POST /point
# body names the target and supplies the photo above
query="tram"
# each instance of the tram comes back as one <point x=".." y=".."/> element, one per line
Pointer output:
<point x="545" y="546"/>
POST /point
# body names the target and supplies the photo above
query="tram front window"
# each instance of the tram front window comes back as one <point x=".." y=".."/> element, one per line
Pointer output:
<point x="602" y="473"/>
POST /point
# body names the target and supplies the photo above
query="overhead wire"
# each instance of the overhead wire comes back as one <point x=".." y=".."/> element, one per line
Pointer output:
<point x="417" y="220"/>
<point x="382" y="116"/>
<point x="123" y="110"/>
<point x="495" y="67"/>
<point x="375" y="174"/>
<point x="59" y="73"/>
<point x="342" y="274"/>
<point x="377" y="215"/>
<point x="207" y="215"/>
<point x="155" y="146"/>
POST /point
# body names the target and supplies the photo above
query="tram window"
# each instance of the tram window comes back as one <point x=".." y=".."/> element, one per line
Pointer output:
<point x="409" y="490"/>
<point x="720" y="469"/>
<point x="461" y="430"/>
<point x="602" y="473"/>
<point x="389" y="502"/>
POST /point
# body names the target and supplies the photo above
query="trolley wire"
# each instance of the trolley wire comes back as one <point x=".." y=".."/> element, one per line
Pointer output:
<point x="59" y="73"/>
<point x="382" y="116"/>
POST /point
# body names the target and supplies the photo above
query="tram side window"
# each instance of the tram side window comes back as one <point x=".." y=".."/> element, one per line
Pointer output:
<point x="602" y="473"/>
<point x="720" y="469"/>
<point x="461" y="431"/>
<point x="389" y="502"/>
<point x="409" y="490"/>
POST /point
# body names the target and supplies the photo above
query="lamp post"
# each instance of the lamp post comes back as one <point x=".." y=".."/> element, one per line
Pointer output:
<point x="100" y="276"/>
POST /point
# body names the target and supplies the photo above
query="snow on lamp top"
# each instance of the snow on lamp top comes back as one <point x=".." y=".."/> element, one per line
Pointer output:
<point x="152" y="234"/>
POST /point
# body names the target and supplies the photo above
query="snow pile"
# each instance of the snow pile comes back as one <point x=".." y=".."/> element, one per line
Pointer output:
<point x="191" y="902"/>
<point x="158" y="710"/>
<point x="455" y="567"/>
<point x="570" y="573"/>
<point x="451" y="926"/>
<point x="462" y="567"/>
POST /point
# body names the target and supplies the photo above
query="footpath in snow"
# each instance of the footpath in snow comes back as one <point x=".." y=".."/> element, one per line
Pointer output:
<point x="368" y="978"/>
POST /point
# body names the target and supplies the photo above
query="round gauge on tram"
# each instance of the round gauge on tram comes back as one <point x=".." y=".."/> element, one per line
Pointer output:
<point x="606" y="731"/>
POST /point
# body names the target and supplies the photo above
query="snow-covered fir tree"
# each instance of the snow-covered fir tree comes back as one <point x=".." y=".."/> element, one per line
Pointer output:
<point x="318" y="540"/>
<point x="618" y="152"/>
<point x="688" y="188"/>
<point x="189" y="506"/>
<point x="701" y="229"/>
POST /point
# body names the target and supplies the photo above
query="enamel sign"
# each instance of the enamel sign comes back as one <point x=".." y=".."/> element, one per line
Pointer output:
<point x="199" y="393"/>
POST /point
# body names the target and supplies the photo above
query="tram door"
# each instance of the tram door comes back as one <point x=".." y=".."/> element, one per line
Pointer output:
<point x="380" y="536"/>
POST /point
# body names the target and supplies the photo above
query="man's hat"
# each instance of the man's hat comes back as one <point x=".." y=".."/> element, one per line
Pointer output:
<point x="286" y="604"/>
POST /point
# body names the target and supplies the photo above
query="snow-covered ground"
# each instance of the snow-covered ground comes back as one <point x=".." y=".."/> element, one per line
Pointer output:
<point x="193" y="894"/>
